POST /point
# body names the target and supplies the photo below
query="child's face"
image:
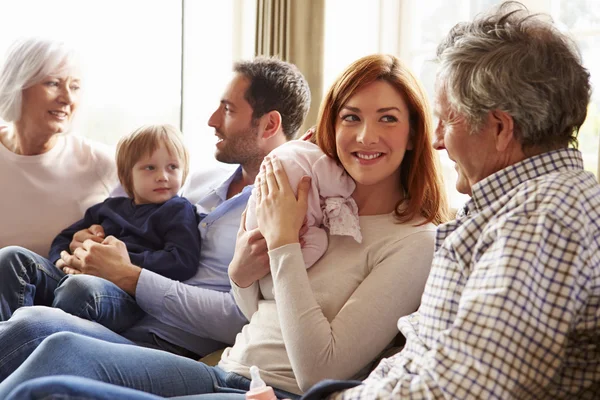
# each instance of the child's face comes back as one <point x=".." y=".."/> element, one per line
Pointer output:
<point x="157" y="178"/>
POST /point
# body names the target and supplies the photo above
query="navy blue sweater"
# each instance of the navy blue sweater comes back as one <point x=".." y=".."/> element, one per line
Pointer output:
<point x="163" y="238"/>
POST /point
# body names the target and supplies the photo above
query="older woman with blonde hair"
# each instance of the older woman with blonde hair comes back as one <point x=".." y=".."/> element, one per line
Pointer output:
<point x="334" y="319"/>
<point x="49" y="177"/>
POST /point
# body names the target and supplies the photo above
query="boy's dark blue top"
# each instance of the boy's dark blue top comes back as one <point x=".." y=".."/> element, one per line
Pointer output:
<point x="163" y="238"/>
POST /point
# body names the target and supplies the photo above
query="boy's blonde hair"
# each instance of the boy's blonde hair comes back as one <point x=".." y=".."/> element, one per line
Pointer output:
<point x="143" y="142"/>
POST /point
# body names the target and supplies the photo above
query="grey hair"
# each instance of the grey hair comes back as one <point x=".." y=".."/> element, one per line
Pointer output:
<point x="27" y="63"/>
<point x="519" y="63"/>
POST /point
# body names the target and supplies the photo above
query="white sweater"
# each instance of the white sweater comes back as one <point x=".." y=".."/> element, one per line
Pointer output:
<point x="332" y="320"/>
<point x="43" y="194"/>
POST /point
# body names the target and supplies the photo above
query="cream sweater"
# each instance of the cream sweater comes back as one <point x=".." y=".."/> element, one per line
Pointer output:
<point x="43" y="194"/>
<point x="334" y="319"/>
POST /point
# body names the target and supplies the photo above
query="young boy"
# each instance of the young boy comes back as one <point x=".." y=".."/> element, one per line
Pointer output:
<point x="159" y="228"/>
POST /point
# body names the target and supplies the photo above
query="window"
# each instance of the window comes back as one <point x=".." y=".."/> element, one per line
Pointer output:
<point x="582" y="19"/>
<point x="412" y="31"/>
<point x="137" y="53"/>
<point x="216" y="33"/>
<point x="131" y="58"/>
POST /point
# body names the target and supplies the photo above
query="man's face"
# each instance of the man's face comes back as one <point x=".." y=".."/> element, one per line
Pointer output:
<point x="474" y="153"/>
<point x="238" y="135"/>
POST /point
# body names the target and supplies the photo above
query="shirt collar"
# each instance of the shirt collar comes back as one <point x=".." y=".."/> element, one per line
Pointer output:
<point x="223" y="188"/>
<point x="490" y="189"/>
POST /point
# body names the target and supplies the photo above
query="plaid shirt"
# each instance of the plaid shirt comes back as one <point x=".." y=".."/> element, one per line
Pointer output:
<point x="511" y="308"/>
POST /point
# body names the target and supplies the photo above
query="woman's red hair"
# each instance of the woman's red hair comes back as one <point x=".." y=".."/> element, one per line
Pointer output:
<point x="420" y="172"/>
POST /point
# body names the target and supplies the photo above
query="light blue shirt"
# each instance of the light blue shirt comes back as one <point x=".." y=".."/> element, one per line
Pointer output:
<point x="200" y="314"/>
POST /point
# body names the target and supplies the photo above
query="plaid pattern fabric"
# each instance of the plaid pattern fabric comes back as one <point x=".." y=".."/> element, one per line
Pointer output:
<point x="511" y="308"/>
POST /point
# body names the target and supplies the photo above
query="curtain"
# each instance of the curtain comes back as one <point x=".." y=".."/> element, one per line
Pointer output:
<point x="293" y="30"/>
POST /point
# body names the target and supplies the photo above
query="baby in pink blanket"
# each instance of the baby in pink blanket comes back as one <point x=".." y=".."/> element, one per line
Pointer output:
<point x="330" y="204"/>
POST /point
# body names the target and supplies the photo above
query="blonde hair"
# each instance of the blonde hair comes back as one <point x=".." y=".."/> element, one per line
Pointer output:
<point x="420" y="175"/>
<point x="143" y="142"/>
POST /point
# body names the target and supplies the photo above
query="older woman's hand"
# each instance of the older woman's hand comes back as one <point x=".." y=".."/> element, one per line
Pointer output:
<point x="279" y="214"/>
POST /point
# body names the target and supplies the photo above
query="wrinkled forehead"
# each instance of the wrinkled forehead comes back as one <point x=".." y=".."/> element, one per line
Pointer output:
<point x="66" y="69"/>
<point x="440" y="94"/>
<point x="61" y="63"/>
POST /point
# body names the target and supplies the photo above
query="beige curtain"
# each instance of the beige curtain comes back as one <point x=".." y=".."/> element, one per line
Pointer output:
<point x="294" y="31"/>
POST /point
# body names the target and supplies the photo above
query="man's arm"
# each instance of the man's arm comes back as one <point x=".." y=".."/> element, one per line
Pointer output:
<point x="200" y="311"/>
<point x="512" y="323"/>
<point x="203" y="312"/>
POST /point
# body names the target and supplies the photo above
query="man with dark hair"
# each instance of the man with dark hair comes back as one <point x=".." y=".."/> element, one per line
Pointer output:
<point x="511" y="309"/>
<point x="198" y="316"/>
<point x="276" y="85"/>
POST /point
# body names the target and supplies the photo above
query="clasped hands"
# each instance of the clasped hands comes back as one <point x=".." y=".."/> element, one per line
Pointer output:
<point x="93" y="254"/>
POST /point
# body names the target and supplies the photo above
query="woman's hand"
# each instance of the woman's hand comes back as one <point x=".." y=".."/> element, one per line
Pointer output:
<point x="279" y="214"/>
<point x="250" y="261"/>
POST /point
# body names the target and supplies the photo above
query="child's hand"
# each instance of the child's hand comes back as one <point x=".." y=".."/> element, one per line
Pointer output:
<point x="94" y="233"/>
<point x="60" y="264"/>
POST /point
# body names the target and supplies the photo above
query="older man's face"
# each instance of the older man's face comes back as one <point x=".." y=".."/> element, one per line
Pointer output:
<point x="474" y="154"/>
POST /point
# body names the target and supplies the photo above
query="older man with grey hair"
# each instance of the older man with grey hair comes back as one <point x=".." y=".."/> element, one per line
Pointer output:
<point x="512" y="305"/>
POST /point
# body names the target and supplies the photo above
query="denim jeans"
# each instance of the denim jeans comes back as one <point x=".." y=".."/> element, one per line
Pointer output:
<point x="67" y="387"/>
<point x="97" y="299"/>
<point x="148" y="370"/>
<point x="29" y="326"/>
<point x="25" y="279"/>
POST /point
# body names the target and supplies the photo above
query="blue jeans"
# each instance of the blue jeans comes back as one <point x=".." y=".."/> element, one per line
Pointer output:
<point x="29" y="326"/>
<point x="148" y="370"/>
<point x="71" y="387"/>
<point x="25" y="279"/>
<point x="97" y="299"/>
<point x="65" y="387"/>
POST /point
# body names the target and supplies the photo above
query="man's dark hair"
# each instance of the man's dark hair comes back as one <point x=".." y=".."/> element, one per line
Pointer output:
<point x="276" y="85"/>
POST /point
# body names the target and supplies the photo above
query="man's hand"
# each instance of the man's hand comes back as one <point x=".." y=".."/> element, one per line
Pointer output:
<point x="94" y="233"/>
<point x="250" y="261"/>
<point x="108" y="259"/>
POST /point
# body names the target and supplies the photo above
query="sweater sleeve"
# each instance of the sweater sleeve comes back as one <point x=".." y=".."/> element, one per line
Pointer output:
<point x="246" y="298"/>
<point x="62" y="241"/>
<point x="180" y="256"/>
<point x="319" y="348"/>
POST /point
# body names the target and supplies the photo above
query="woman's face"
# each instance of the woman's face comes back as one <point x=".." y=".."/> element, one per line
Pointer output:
<point x="372" y="134"/>
<point x="48" y="107"/>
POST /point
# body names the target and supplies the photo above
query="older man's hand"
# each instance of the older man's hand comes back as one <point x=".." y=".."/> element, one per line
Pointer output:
<point x="108" y="259"/>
